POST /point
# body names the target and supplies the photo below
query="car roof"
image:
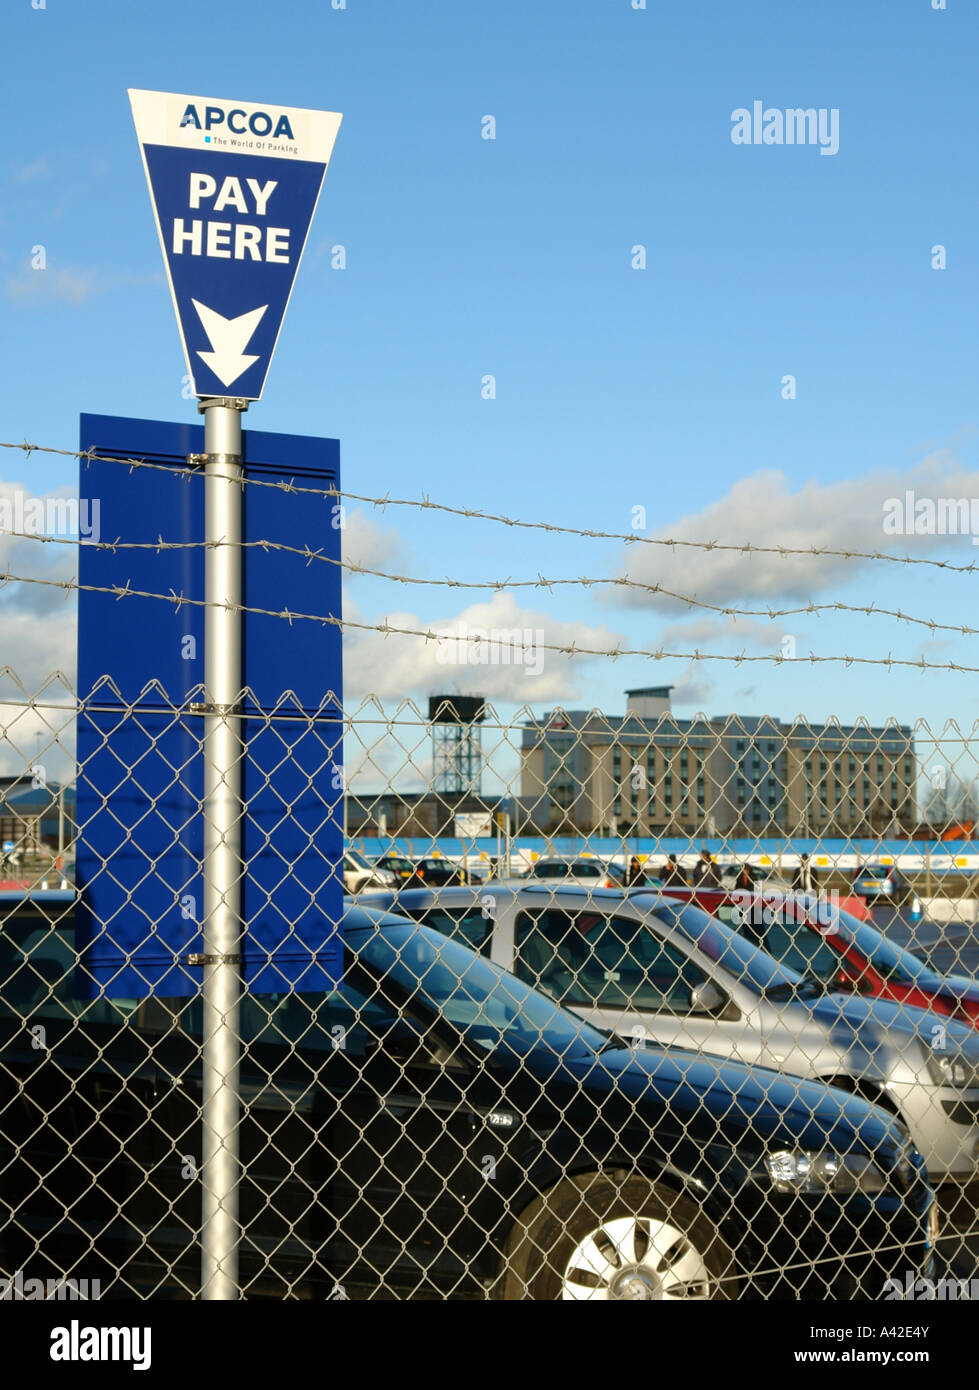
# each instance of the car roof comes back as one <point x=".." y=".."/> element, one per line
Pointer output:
<point x="364" y="919"/>
<point x="413" y="898"/>
<point x="570" y="859"/>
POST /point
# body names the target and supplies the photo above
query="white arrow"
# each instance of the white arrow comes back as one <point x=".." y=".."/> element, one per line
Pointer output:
<point x="228" y="338"/>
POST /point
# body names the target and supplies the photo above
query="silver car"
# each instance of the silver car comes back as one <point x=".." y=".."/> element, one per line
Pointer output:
<point x="359" y="875"/>
<point x="654" y="970"/>
<point x="586" y="869"/>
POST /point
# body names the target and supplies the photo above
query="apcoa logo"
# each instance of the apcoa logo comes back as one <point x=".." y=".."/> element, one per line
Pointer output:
<point x="238" y="122"/>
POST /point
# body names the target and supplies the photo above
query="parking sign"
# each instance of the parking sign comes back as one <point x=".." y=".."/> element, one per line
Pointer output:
<point x="234" y="186"/>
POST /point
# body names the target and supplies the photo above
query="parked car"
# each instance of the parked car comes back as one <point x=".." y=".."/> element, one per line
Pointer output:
<point x="359" y="874"/>
<point x="412" y="873"/>
<point x="435" y="1127"/>
<point x="650" y="967"/>
<point x="876" y="882"/>
<point x="605" y="873"/>
<point x="814" y="935"/>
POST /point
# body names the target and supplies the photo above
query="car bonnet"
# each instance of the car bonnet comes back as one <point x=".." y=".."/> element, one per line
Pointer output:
<point x="772" y="1106"/>
<point x="867" y="1013"/>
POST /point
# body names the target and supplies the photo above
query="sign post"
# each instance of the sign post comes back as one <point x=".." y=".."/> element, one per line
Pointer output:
<point x="234" y="186"/>
<point x="222" y="862"/>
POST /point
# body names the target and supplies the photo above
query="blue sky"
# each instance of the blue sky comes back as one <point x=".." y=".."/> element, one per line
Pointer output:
<point x="616" y="388"/>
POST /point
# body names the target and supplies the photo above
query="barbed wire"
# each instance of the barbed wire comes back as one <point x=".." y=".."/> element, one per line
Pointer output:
<point x="501" y="585"/>
<point x="570" y="650"/>
<point x="476" y="514"/>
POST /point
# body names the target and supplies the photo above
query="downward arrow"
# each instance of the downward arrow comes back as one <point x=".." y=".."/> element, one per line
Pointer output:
<point x="228" y="338"/>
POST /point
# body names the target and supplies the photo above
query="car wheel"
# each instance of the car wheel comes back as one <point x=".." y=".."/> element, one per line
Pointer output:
<point x="592" y="1237"/>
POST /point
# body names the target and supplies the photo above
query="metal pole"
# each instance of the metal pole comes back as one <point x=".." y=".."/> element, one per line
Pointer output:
<point x="62" y="881"/>
<point x="222" y="868"/>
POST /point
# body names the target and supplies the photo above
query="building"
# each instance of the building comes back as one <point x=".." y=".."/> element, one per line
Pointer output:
<point x="32" y="816"/>
<point x="649" y="773"/>
<point x="421" y="815"/>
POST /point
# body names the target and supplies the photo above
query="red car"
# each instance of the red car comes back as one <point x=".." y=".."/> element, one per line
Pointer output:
<point x="816" y="937"/>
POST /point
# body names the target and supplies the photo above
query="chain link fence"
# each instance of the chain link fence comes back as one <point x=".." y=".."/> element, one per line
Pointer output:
<point x="628" y="1007"/>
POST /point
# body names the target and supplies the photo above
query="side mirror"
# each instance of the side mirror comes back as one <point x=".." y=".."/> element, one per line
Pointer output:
<point x="709" y="998"/>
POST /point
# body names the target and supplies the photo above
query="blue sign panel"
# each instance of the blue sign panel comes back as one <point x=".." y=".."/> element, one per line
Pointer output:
<point x="234" y="189"/>
<point x="141" y="668"/>
<point x="151" y="651"/>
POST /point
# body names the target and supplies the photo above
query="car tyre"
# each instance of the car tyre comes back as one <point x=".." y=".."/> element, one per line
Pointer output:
<point x="608" y="1236"/>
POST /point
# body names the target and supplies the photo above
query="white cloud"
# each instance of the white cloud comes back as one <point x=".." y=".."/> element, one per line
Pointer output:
<point x="34" y="646"/>
<point x="368" y="543"/>
<point x="698" y="633"/>
<point x="693" y="689"/>
<point x="511" y="668"/>
<point x="37" y="620"/>
<point x="36" y="169"/>
<point x="764" y="510"/>
<point x="73" y="285"/>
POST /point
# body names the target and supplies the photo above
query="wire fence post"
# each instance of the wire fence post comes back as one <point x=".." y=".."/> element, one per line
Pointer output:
<point x="222" y="867"/>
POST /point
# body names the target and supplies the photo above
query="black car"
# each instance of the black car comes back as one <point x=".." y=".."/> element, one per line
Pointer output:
<point x="431" y="872"/>
<point x="432" y="1128"/>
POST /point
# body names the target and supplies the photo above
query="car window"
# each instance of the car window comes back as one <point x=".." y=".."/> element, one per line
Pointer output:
<point x="486" y="1004"/>
<point x="584" y="958"/>
<point x="343" y="1019"/>
<point x="468" y="924"/>
<point x="37" y="965"/>
<point x="801" y="948"/>
<point x="730" y="948"/>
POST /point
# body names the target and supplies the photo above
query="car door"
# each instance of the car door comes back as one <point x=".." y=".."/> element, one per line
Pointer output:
<point x="410" y="1134"/>
<point x="619" y="973"/>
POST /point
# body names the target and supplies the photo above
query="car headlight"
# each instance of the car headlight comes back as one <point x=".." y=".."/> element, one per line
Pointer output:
<point x="825" y="1172"/>
<point x="948" y="1071"/>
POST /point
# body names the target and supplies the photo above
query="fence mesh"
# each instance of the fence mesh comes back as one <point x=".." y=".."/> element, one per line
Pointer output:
<point x="627" y="1008"/>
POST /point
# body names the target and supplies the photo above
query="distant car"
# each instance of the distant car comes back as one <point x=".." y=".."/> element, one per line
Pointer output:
<point x="414" y="872"/>
<point x="651" y="967"/>
<point x="597" y="873"/>
<point x="359" y="875"/>
<point x="882" y="882"/>
<point x="814" y="934"/>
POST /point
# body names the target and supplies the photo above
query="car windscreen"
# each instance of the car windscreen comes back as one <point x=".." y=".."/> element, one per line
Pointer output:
<point x="473" y="923"/>
<point x="720" y="943"/>
<point x="566" y="870"/>
<point x="888" y="959"/>
<point x="489" y="1006"/>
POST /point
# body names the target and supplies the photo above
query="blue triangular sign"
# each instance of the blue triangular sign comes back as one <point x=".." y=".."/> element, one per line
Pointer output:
<point x="234" y="188"/>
